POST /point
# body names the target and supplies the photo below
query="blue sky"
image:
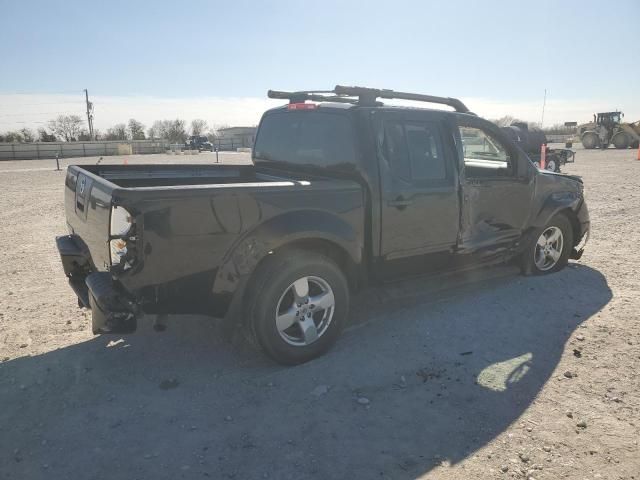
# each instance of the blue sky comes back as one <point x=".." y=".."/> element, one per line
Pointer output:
<point x="504" y="52"/>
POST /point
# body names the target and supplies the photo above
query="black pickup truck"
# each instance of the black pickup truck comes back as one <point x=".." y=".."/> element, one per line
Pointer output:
<point x="343" y="192"/>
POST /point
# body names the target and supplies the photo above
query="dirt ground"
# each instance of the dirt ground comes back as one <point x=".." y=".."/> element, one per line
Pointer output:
<point x="486" y="375"/>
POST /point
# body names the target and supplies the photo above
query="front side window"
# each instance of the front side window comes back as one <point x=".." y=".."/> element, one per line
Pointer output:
<point x="478" y="145"/>
<point x="484" y="155"/>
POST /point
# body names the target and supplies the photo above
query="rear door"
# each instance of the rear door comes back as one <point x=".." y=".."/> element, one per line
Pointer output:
<point x="420" y="204"/>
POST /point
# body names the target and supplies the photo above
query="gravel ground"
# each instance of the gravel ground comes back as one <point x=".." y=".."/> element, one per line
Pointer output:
<point x="483" y="375"/>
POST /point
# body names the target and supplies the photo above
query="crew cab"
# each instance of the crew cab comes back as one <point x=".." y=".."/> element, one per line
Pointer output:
<point x="343" y="192"/>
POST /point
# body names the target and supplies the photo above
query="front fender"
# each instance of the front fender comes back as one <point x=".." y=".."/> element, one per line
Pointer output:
<point x="254" y="245"/>
<point x="555" y="203"/>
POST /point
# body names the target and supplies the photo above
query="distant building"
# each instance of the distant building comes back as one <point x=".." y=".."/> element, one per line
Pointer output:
<point x="242" y="137"/>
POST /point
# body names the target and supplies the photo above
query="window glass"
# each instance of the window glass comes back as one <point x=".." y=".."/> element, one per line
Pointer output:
<point x="478" y="145"/>
<point x="396" y="148"/>
<point x="306" y="138"/>
<point x="415" y="151"/>
<point x="427" y="161"/>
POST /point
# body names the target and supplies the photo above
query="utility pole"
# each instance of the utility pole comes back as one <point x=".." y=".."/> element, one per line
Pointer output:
<point x="544" y="102"/>
<point x="89" y="114"/>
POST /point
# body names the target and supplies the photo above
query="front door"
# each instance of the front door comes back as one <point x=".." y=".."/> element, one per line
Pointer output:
<point x="420" y="204"/>
<point x="497" y="198"/>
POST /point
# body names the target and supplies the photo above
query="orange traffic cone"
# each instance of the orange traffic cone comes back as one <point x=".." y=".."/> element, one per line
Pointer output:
<point x="638" y="157"/>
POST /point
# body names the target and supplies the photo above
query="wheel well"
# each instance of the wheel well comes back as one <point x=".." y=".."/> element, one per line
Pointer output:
<point x="575" y="224"/>
<point x="329" y="249"/>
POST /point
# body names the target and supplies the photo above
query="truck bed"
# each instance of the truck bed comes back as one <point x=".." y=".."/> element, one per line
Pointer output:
<point x="189" y="218"/>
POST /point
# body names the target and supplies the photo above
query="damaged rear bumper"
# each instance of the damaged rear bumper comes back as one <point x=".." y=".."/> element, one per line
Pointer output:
<point x="113" y="310"/>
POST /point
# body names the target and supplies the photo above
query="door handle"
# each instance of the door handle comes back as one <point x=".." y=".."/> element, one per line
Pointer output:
<point x="399" y="202"/>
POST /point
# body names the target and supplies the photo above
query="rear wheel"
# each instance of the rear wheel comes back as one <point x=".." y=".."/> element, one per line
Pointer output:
<point x="297" y="306"/>
<point x="549" y="248"/>
<point x="590" y="140"/>
<point x="621" y="141"/>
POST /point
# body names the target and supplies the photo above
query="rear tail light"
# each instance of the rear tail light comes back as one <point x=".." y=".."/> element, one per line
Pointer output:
<point x="121" y="227"/>
<point x="121" y="221"/>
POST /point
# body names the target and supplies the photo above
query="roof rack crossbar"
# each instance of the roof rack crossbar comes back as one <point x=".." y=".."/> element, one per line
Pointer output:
<point x="297" y="97"/>
<point x="368" y="93"/>
<point x="363" y="96"/>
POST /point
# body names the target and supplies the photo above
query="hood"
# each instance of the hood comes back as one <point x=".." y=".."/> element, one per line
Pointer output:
<point x="575" y="178"/>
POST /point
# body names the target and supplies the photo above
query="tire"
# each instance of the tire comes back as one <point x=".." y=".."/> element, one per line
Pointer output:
<point x="590" y="141"/>
<point x="534" y="261"/>
<point x="621" y="141"/>
<point x="553" y="166"/>
<point x="283" y="318"/>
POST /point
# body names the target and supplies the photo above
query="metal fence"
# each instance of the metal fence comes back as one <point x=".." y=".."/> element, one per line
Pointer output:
<point x="230" y="144"/>
<point x="36" y="150"/>
<point x="559" y="138"/>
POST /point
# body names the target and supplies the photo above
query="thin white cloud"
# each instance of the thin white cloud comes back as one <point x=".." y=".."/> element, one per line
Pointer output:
<point x="34" y="110"/>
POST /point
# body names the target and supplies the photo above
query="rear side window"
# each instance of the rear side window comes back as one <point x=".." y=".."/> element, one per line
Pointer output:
<point x="306" y="138"/>
<point x="415" y="151"/>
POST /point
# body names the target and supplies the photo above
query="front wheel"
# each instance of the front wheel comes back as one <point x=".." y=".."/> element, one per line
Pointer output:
<point x="297" y="306"/>
<point x="549" y="248"/>
<point x="621" y="141"/>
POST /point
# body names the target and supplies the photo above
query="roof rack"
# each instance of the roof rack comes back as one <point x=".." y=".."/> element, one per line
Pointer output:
<point x="363" y="96"/>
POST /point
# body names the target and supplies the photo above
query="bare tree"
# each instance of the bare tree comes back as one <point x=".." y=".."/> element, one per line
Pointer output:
<point x="177" y="132"/>
<point x="44" y="136"/>
<point x="27" y="135"/>
<point x="117" y="132"/>
<point x="217" y="129"/>
<point x="159" y="129"/>
<point x="506" y="121"/>
<point x="198" y="126"/>
<point x="11" y="137"/>
<point x="67" y="127"/>
<point x="136" y="130"/>
<point x="156" y="130"/>
<point x="84" y="136"/>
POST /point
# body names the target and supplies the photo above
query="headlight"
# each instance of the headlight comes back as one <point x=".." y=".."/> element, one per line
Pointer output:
<point x="121" y="224"/>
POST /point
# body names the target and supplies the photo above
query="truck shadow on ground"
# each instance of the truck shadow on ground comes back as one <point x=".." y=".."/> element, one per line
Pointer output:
<point x="445" y="369"/>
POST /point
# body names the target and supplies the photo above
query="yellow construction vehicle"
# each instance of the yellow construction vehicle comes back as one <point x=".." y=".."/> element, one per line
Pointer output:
<point x="607" y="128"/>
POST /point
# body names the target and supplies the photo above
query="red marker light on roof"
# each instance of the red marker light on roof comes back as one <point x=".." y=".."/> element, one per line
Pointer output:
<point x="302" y="106"/>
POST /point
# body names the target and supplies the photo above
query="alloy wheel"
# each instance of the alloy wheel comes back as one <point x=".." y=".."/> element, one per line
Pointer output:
<point x="304" y="311"/>
<point x="548" y="249"/>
